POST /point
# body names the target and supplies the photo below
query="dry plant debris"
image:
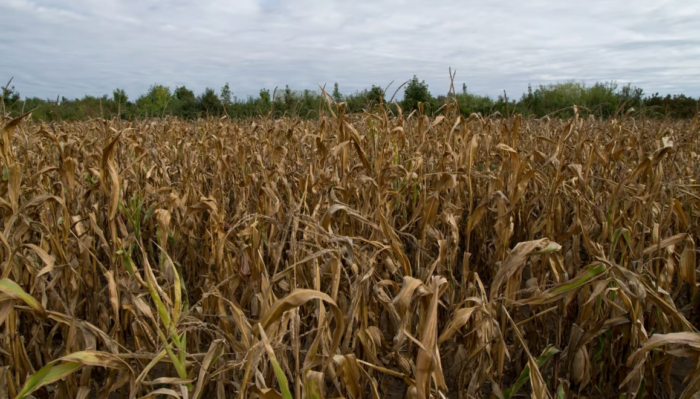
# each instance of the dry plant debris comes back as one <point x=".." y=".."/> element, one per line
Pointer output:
<point x="356" y="256"/>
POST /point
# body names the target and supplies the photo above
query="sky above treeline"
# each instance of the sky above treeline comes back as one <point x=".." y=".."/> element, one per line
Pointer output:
<point x="74" y="48"/>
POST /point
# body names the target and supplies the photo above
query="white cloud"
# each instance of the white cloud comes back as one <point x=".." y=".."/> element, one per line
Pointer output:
<point x="46" y="12"/>
<point x="82" y="47"/>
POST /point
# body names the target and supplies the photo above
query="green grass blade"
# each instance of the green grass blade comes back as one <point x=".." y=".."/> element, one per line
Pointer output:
<point x="525" y="374"/>
<point x="584" y="277"/>
<point x="281" y="378"/>
<point x="47" y="375"/>
<point x="11" y="288"/>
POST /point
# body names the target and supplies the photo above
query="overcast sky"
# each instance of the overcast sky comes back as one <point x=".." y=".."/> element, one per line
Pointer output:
<point x="73" y="48"/>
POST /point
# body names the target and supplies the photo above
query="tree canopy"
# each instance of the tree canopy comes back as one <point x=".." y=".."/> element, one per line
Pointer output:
<point x="602" y="99"/>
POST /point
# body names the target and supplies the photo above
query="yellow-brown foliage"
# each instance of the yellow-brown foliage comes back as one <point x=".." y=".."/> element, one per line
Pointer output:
<point x="356" y="256"/>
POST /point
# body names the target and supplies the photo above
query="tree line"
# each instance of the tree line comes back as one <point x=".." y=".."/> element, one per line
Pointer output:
<point x="601" y="99"/>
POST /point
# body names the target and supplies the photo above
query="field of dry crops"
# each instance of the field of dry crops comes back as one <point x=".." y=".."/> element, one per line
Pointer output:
<point x="364" y="256"/>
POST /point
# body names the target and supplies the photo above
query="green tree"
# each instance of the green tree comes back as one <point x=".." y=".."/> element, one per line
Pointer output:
<point x="183" y="93"/>
<point x="185" y="103"/>
<point x="226" y="95"/>
<point x="10" y="96"/>
<point x="375" y="95"/>
<point x="416" y="91"/>
<point x="209" y="102"/>
<point x="154" y="103"/>
<point x="288" y="97"/>
<point x="336" y="93"/>
<point x="677" y="106"/>
<point x="601" y="99"/>
<point x="473" y="103"/>
<point x="632" y="96"/>
<point x="262" y="104"/>
<point x="119" y="96"/>
<point x="265" y="96"/>
<point x="120" y="100"/>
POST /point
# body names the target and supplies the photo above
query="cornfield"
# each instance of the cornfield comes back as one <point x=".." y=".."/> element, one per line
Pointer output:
<point x="360" y="256"/>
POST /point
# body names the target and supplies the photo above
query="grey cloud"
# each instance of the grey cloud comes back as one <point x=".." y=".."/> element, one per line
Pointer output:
<point x="82" y="47"/>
